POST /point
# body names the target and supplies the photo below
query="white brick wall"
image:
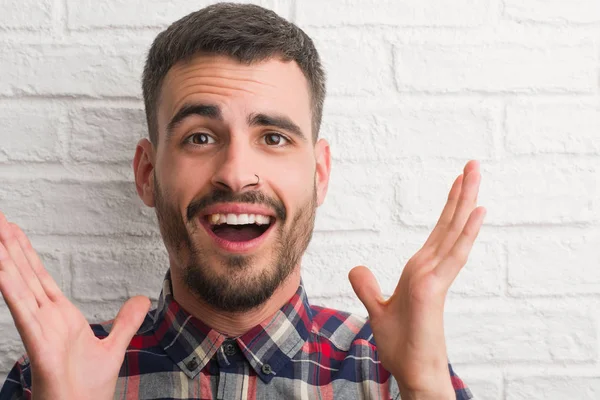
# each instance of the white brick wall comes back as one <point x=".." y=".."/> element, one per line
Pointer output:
<point x="417" y="87"/>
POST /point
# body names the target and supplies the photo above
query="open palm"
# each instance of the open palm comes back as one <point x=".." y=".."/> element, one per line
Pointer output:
<point x="67" y="360"/>
<point x="408" y="327"/>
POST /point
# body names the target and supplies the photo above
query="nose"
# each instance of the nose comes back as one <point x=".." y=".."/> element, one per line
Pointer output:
<point x="236" y="171"/>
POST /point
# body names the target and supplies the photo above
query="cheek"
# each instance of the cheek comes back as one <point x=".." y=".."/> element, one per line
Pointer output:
<point x="294" y="184"/>
<point x="180" y="165"/>
<point x="179" y="182"/>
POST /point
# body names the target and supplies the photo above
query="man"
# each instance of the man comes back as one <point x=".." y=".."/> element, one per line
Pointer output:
<point x="235" y="170"/>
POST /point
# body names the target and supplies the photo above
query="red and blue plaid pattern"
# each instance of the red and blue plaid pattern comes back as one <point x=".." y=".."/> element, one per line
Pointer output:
<point x="303" y="352"/>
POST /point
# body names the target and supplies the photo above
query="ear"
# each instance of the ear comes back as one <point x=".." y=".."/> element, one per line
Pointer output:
<point x="143" y="170"/>
<point x="323" y="158"/>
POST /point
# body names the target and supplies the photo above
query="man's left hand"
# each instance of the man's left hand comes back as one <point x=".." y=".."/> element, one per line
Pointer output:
<point x="408" y="327"/>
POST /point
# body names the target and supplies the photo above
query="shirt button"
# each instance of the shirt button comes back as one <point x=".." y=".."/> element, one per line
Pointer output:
<point x="229" y="348"/>
<point x="266" y="369"/>
<point x="192" y="364"/>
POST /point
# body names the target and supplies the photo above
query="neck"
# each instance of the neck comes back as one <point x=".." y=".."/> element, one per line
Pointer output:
<point x="233" y="324"/>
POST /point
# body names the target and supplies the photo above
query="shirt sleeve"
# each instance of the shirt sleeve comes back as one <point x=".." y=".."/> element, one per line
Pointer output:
<point x="461" y="390"/>
<point x="17" y="385"/>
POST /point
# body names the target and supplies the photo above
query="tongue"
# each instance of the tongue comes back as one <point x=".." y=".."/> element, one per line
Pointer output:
<point x="240" y="233"/>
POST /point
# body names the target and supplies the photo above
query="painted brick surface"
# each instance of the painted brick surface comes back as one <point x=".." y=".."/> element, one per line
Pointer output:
<point x="553" y="11"/>
<point x="567" y="127"/>
<point x="29" y="14"/>
<point x="554" y="387"/>
<point x="496" y="68"/>
<point x="416" y="88"/>
<point x="107" y="14"/>
<point x="513" y="336"/>
<point x="112" y="133"/>
<point x="447" y="129"/>
<point x="31" y="133"/>
<point x="395" y="13"/>
<point x="39" y="70"/>
<point x="571" y="267"/>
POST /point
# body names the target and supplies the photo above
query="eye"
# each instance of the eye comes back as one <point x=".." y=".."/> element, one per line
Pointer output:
<point x="200" y="139"/>
<point x="275" y="140"/>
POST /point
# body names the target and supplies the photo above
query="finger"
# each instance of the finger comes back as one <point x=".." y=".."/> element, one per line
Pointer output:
<point x="466" y="203"/>
<point x="367" y="290"/>
<point x="447" y="213"/>
<point x="48" y="283"/>
<point x="11" y="244"/>
<point x="450" y="207"/>
<point x="472" y="166"/>
<point x="451" y="265"/>
<point x="128" y="321"/>
<point x="19" y="299"/>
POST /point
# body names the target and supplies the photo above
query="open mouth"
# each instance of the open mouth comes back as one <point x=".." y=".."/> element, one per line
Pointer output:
<point x="239" y="227"/>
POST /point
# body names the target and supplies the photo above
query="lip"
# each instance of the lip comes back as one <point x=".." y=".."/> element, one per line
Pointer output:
<point x="238" y="208"/>
<point x="233" y="208"/>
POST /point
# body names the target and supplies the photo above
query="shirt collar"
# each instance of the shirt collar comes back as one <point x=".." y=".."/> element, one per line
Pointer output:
<point x="268" y="347"/>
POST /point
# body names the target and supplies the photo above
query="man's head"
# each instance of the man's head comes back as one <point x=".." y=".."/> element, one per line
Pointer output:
<point x="234" y="97"/>
<point x="244" y="32"/>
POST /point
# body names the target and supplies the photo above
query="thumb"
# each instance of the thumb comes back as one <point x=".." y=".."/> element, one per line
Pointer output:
<point x="367" y="290"/>
<point x="128" y="321"/>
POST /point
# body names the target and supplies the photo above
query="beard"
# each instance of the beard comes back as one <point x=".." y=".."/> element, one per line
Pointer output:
<point x="238" y="289"/>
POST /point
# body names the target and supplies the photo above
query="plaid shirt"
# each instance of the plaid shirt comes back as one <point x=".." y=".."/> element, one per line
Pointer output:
<point x="302" y="352"/>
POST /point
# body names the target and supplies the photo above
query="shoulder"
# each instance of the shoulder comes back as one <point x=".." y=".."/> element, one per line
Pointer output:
<point x="341" y="328"/>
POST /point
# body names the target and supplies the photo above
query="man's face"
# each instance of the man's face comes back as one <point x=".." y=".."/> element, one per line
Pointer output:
<point x="237" y="177"/>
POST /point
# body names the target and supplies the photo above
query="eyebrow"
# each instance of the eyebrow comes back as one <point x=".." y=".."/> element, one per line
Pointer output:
<point x="277" y="121"/>
<point x="203" y="110"/>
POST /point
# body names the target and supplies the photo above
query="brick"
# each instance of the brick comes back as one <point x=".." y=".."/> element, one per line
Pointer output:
<point x="325" y="267"/>
<point x="118" y="275"/>
<point x="571" y="267"/>
<point x="450" y="129"/>
<point x="546" y="192"/>
<point x="70" y="70"/>
<point x="106" y="134"/>
<point x="143" y="13"/>
<point x="349" y="207"/>
<point x="482" y="388"/>
<point x="77" y="208"/>
<point x="519" y="336"/>
<point x="484" y="273"/>
<point x="553" y="387"/>
<point x="523" y="192"/>
<point x="354" y="62"/>
<point x="496" y="68"/>
<point x="534" y="127"/>
<point x="553" y="11"/>
<point x="30" y="133"/>
<point x="26" y="14"/>
<point x="395" y="13"/>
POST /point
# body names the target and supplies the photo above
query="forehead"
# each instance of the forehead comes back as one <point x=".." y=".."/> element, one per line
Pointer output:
<point x="268" y="86"/>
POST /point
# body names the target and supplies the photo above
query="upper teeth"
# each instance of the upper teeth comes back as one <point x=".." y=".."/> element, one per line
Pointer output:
<point x="238" y="219"/>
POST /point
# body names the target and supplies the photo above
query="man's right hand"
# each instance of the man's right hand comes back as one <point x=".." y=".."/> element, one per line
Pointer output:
<point x="67" y="360"/>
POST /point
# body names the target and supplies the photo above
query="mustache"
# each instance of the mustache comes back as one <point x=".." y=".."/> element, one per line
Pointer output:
<point x="223" y="196"/>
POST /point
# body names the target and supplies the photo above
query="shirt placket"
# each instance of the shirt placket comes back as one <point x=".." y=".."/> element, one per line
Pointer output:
<point x="234" y="373"/>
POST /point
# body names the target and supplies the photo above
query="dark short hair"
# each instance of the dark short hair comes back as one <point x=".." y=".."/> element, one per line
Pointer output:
<point x="245" y="32"/>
